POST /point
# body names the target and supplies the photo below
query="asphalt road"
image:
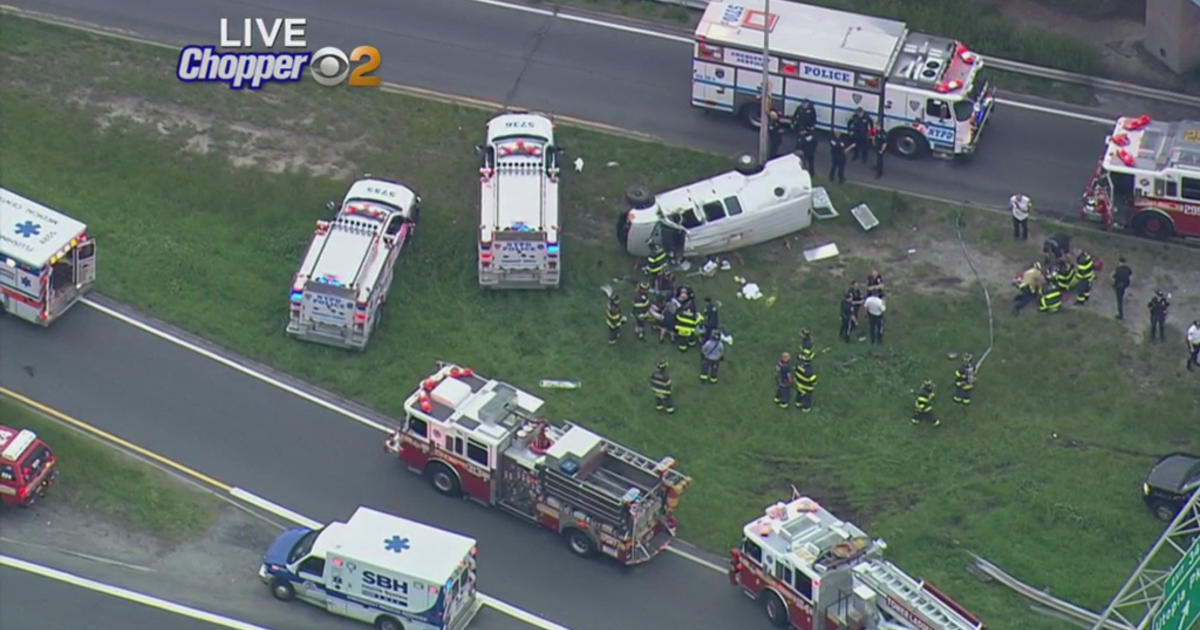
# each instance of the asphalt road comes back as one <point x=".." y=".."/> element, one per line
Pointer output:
<point x="323" y="465"/>
<point x="621" y="78"/>
<point x="32" y="602"/>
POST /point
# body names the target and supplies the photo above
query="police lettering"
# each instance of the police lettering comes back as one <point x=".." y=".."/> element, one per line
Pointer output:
<point x="827" y="74"/>
<point x="384" y="582"/>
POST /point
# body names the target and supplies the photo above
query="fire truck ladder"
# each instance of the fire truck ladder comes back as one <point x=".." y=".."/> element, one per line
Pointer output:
<point x="902" y="590"/>
<point x="659" y="469"/>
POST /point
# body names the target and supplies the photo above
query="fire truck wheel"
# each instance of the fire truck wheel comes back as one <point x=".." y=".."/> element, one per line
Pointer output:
<point x="908" y="143"/>
<point x="776" y="610"/>
<point x="443" y="479"/>
<point x="388" y="623"/>
<point x="580" y="543"/>
<point x="282" y="590"/>
<point x="639" y="197"/>
<point x="1153" y="225"/>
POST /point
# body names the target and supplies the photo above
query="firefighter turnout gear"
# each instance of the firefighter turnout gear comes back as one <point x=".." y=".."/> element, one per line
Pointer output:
<point x="783" y="380"/>
<point x="1051" y="300"/>
<point x="641" y="309"/>
<point x="964" y="381"/>
<point x="686" y="322"/>
<point x="923" y="407"/>
<point x="808" y="351"/>
<point x="1085" y="273"/>
<point x="660" y="384"/>
<point x="1065" y="278"/>
<point x="806" y="381"/>
<point x="614" y="318"/>
<point x="712" y="352"/>
<point x="656" y="262"/>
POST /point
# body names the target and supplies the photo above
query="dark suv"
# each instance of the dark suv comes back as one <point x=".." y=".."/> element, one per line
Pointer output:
<point x="1171" y="481"/>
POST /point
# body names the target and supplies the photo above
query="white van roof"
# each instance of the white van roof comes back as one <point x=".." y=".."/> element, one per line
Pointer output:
<point x="30" y="232"/>
<point x="396" y="544"/>
<point x="753" y="191"/>
<point x="520" y="124"/>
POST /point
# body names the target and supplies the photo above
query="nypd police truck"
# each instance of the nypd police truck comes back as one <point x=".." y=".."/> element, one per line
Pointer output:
<point x="518" y="204"/>
<point x="384" y="570"/>
<point x="344" y="277"/>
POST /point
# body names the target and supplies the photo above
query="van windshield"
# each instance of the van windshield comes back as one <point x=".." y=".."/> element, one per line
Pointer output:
<point x="303" y="546"/>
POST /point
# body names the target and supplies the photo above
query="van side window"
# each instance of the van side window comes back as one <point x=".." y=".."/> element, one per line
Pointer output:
<point x="937" y="109"/>
<point x="733" y="206"/>
<point x="417" y="426"/>
<point x="783" y="573"/>
<point x="458" y="445"/>
<point x="7" y="473"/>
<point x="689" y="219"/>
<point x="751" y="549"/>
<point x="477" y="453"/>
<point x="394" y="225"/>
<point x="313" y="565"/>
<point x="713" y="211"/>
<point x="1191" y="188"/>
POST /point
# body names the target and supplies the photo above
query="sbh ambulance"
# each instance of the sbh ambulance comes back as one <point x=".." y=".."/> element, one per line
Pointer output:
<point x="26" y="467"/>
<point x="47" y="259"/>
<point x="385" y="570"/>
<point x="925" y="90"/>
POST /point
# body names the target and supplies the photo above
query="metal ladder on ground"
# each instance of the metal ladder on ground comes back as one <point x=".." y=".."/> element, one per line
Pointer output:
<point x="902" y="590"/>
<point x="659" y="469"/>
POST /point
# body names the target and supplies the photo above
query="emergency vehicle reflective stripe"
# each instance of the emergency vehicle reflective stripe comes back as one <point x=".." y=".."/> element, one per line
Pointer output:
<point x="23" y="298"/>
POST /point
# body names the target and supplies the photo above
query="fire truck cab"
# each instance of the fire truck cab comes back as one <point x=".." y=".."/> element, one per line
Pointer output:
<point x="1148" y="179"/>
<point x="26" y="467"/>
<point x="812" y="571"/>
<point x="479" y="438"/>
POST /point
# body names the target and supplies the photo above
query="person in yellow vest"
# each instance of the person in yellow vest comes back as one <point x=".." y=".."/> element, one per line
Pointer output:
<point x="1085" y="273"/>
<point x="613" y="318"/>
<point x="806" y="382"/>
<point x="923" y="407"/>
<point x="1051" y="301"/>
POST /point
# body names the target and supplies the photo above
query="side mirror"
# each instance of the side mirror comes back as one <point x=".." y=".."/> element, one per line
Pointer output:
<point x="479" y="149"/>
<point x="331" y="206"/>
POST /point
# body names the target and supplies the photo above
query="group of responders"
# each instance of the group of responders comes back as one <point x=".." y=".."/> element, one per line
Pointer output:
<point x="329" y="66"/>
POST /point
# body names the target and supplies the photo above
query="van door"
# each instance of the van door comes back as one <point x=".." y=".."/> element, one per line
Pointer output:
<point x="939" y="124"/>
<point x="312" y="583"/>
<point x="85" y="264"/>
<point x="680" y="230"/>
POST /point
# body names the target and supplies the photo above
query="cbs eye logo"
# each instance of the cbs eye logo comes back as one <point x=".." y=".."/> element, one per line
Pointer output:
<point x="330" y="66"/>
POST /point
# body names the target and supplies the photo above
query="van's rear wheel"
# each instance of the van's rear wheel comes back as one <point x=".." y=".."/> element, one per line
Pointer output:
<point x="282" y="590"/>
<point x="388" y="623"/>
<point x="1164" y="512"/>
<point x="775" y="609"/>
<point x="443" y="479"/>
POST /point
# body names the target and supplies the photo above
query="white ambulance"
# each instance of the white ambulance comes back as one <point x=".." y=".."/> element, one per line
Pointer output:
<point x="47" y="259"/>
<point x="385" y="570"/>
<point x="749" y="205"/>
<point x="345" y="275"/>
<point x="518" y="203"/>
<point x="925" y="90"/>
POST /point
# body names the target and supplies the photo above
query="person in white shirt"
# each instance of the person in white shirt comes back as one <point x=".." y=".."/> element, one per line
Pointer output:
<point x="1193" y="342"/>
<point x="875" y="309"/>
<point x="1021" y="207"/>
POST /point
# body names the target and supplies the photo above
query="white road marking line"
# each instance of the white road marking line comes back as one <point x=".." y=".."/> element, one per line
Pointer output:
<point x="126" y="594"/>
<point x="304" y="521"/>
<point x="698" y="560"/>
<point x="235" y="365"/>
<point x="1056" y="112"/>
<point x="623" y="27"/>
<point x="79" y="554"/>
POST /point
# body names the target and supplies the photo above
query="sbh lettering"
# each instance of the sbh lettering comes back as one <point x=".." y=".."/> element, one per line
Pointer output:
<point x="293" y="33"/>
<point x="384" y="582"/>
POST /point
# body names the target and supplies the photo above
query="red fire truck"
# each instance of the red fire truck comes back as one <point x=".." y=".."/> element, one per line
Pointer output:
<point x="812" y="571"/>
<point x="1148" y="179"/>
<point x="26" y="467"/>
<point x="479" y="438"/>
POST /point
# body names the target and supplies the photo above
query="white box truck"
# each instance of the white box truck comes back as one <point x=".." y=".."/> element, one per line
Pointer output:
<point x="518" y="203"/>
<point x="378" y="568"/>
<point x="344" y="277"/>
<point x="47" y="259"/>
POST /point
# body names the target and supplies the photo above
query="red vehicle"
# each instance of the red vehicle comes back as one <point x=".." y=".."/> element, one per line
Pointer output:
<point x="1148" y="179"/>
<point x="479" y="438"/>
<point x="26" y="467"/>
<point x="811" y="571"/>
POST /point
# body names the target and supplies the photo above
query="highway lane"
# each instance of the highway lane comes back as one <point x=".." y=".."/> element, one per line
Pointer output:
<point x="249" y="434"/>
<point x="626" y="79"/>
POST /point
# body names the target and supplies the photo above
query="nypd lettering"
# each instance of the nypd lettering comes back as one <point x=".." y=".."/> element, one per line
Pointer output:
<point x="825" y="74"/>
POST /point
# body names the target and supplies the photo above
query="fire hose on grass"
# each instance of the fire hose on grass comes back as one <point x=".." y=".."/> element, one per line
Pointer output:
<point x="987" y="297"/>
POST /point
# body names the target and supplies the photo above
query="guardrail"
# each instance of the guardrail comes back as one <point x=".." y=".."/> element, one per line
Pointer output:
<point x="1042" y="72"/>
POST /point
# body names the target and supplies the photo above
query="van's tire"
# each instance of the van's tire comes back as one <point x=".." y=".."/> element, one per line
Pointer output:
<point x="1163" y="511"/>
<point x="443" y="479"/>
<point x="579" y="543"/>
<point x="908" y="143"/>
<point x="751" y="114"/>
<point x="282" y="590"/>
<point x="639" y="197"/>
<point x="747" y="164"/>
<point x="388" y="623"/>
<point x="1153" y="225"/>
<point x="775" y="610"/>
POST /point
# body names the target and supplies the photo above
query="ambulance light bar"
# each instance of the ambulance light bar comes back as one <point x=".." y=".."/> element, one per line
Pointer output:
<point x="18" y="445"/>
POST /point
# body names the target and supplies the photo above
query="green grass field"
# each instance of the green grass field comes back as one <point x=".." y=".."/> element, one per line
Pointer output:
<point x="98" y="480"/>
<point x="209" y="241"/>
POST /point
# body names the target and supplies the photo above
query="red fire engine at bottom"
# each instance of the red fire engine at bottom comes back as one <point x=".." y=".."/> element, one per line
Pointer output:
<point x="481" y="439"/>
<point x="811" y="571"/>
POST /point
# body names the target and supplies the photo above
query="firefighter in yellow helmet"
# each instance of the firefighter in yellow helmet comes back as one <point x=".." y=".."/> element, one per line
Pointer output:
<point x="923" y="407"/>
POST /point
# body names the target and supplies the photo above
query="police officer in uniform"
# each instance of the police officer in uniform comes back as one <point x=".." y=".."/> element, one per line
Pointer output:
<point x="964" y="380"/>
<point x="660" y="384"/>
<point x="783" y="380"/>
<point x="806" y="144"/>
<point x="1158" y="306"/>
<point x="641" y="309"/>
<point x="1085" y="273"/>
<point x="837" y="152"/>
<point x="923" y="407"/>
<point x="806" y="381"/>
<point x="1122" y="277"/>
<point x="613" y="318"/>
<point x="712" y="352"/>
<point x="774" y="133"/>
<point x="880" y="144"/>
<point x="860" y="127"/>
<point x="805" y="116"/>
